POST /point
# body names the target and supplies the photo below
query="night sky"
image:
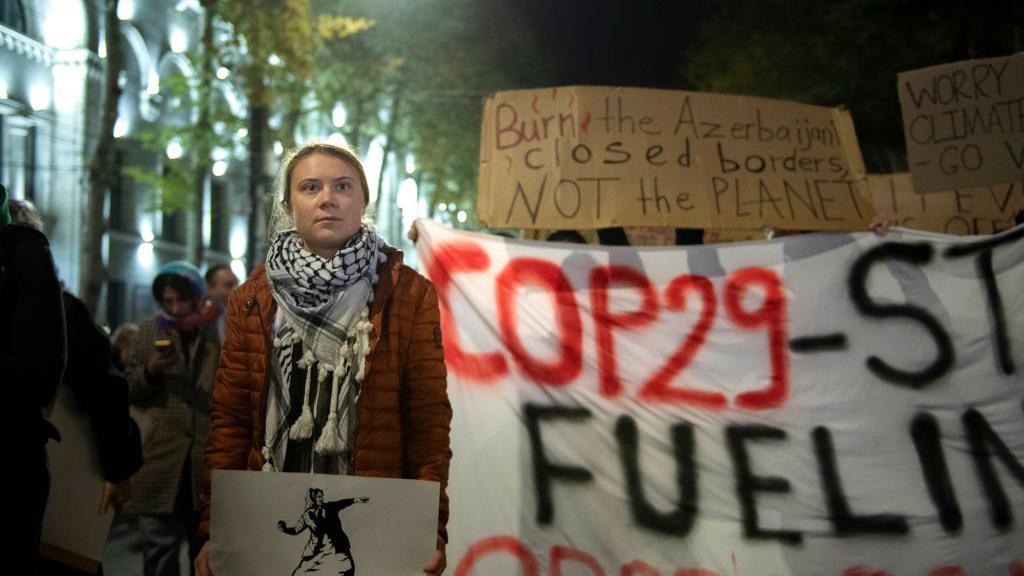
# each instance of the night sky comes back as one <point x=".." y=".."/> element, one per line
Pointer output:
<point x="606" y="42"/>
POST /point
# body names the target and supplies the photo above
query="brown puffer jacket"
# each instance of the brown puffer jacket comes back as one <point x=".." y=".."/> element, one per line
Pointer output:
<point x="403" y="414"/>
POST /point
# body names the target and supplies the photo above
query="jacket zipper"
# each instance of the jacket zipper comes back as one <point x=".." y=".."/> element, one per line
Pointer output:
<point x="268" y="350"/>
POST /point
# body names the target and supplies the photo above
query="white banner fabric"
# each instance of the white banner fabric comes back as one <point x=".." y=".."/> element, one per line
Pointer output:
<point x="824" y="404"/>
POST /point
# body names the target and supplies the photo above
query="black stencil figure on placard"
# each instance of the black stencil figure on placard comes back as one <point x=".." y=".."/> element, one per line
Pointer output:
<point x="328" y="550"/>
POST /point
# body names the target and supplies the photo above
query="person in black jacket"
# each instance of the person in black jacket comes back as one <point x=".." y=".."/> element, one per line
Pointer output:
<point x="32" y="357"/>
<point x="99" y="389"/>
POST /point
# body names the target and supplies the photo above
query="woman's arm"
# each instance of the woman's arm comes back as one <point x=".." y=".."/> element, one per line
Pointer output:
<point x="337" y="505"/>
<point x="427" y="412"/>
<point x="231" y="426"/>
<point x="102" y="393"/>
<point x="298" y="528"/>
<point x="142" y="386"/>
<point x="34" y="363"/>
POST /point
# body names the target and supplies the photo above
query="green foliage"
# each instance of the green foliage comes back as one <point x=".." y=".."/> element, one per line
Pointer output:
<point x="436" y="59"/>
<point x="174" y="189"/>
<point x="414" y="70"/>
<point x="171" y="191"/>
<point x="841" y="53"/>
<point x="273" y="42"/>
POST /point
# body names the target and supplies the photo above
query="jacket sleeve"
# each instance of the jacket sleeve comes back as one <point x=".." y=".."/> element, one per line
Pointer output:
<point x="231" y="425"/>
<point x="36" y="358"/>
<point x="141" y="388"/>
<point x="102" y="392"/>
<point x="339" y="505"/>
<point x="427" y="412"/>
<point x="299" y="527"/>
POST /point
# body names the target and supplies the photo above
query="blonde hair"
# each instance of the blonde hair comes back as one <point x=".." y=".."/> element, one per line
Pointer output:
<point x="24" y="212"/>
<point x="281" y="217"/>
<point x="343" y="153"/>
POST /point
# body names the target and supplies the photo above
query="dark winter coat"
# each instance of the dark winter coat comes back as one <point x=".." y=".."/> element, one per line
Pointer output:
<point x="32" y="343"/>
<point x="101" y="392"/>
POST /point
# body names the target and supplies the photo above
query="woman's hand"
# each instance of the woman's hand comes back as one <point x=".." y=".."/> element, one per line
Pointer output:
<point x="115" y="495"/>
<point x="881" y="224"/>
<point x="202" y="563"/>
<point x="437" y="564"/>
<point x="160" y="362"/>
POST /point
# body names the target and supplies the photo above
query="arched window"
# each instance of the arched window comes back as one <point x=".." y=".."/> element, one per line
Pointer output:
<point x="12" y="15"/>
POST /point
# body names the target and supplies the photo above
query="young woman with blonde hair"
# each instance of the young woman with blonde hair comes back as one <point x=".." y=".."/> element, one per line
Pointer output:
<point x="332" y="357"/>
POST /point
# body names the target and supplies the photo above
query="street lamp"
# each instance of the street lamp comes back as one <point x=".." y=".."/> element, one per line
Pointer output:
<point x="174" y="149"/>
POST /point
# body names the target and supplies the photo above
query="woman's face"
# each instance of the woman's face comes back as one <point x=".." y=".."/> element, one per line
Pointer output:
<point x="327" y="203"/>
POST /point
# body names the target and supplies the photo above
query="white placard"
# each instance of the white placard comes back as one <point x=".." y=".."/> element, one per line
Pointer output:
<point x="377" y="525"/>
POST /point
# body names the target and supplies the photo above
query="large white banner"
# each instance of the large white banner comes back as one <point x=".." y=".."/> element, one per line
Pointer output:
<point x="827" y="404"/>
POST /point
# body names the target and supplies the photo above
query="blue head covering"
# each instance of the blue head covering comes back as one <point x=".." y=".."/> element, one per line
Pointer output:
<point x="186" y="271"/>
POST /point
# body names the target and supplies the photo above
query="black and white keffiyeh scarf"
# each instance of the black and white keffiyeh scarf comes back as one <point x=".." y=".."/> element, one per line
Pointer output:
<point x="324" y="331"/>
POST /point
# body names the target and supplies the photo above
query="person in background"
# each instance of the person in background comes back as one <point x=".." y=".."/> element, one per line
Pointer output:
<point x="220" y="283"/>
<point x="101" y="392"/>
<point x="570" y="236"/>
<point x="122" y="555"/>
<point x="334" y="330"/>
<point x="170" y="374"/>
<point x="99" y="388"/>
<point x="122" y="341"/>
<point x="32" y="357"/>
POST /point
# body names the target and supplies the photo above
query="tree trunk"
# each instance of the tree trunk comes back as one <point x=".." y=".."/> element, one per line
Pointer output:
<point x="101" y="168"/>
<point x="392" y="126"/>
<point x="257" y="181"/>
<point x="356" y="128"/>
<point x="291" y="121"/>
<point x="199" y="191"/>
<point x="203" y="129"/>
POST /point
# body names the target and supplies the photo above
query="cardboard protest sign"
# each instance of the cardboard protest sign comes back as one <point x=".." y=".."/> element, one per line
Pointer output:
<point x="816" y="405"/>
<point x="286" y="523"/>
<point x="964" y="123"/>
<point x="73" y="531"/>
<point x="979" y="210"/>
<point x="588" y="157"/>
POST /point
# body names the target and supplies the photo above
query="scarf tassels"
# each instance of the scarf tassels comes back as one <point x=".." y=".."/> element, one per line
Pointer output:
<point x="303" y="427"/>
<point x="324" y="317"/>
<point x="331" y="439"/>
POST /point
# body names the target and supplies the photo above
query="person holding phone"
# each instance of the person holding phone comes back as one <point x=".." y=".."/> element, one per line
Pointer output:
<point x="170" y="373"/>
